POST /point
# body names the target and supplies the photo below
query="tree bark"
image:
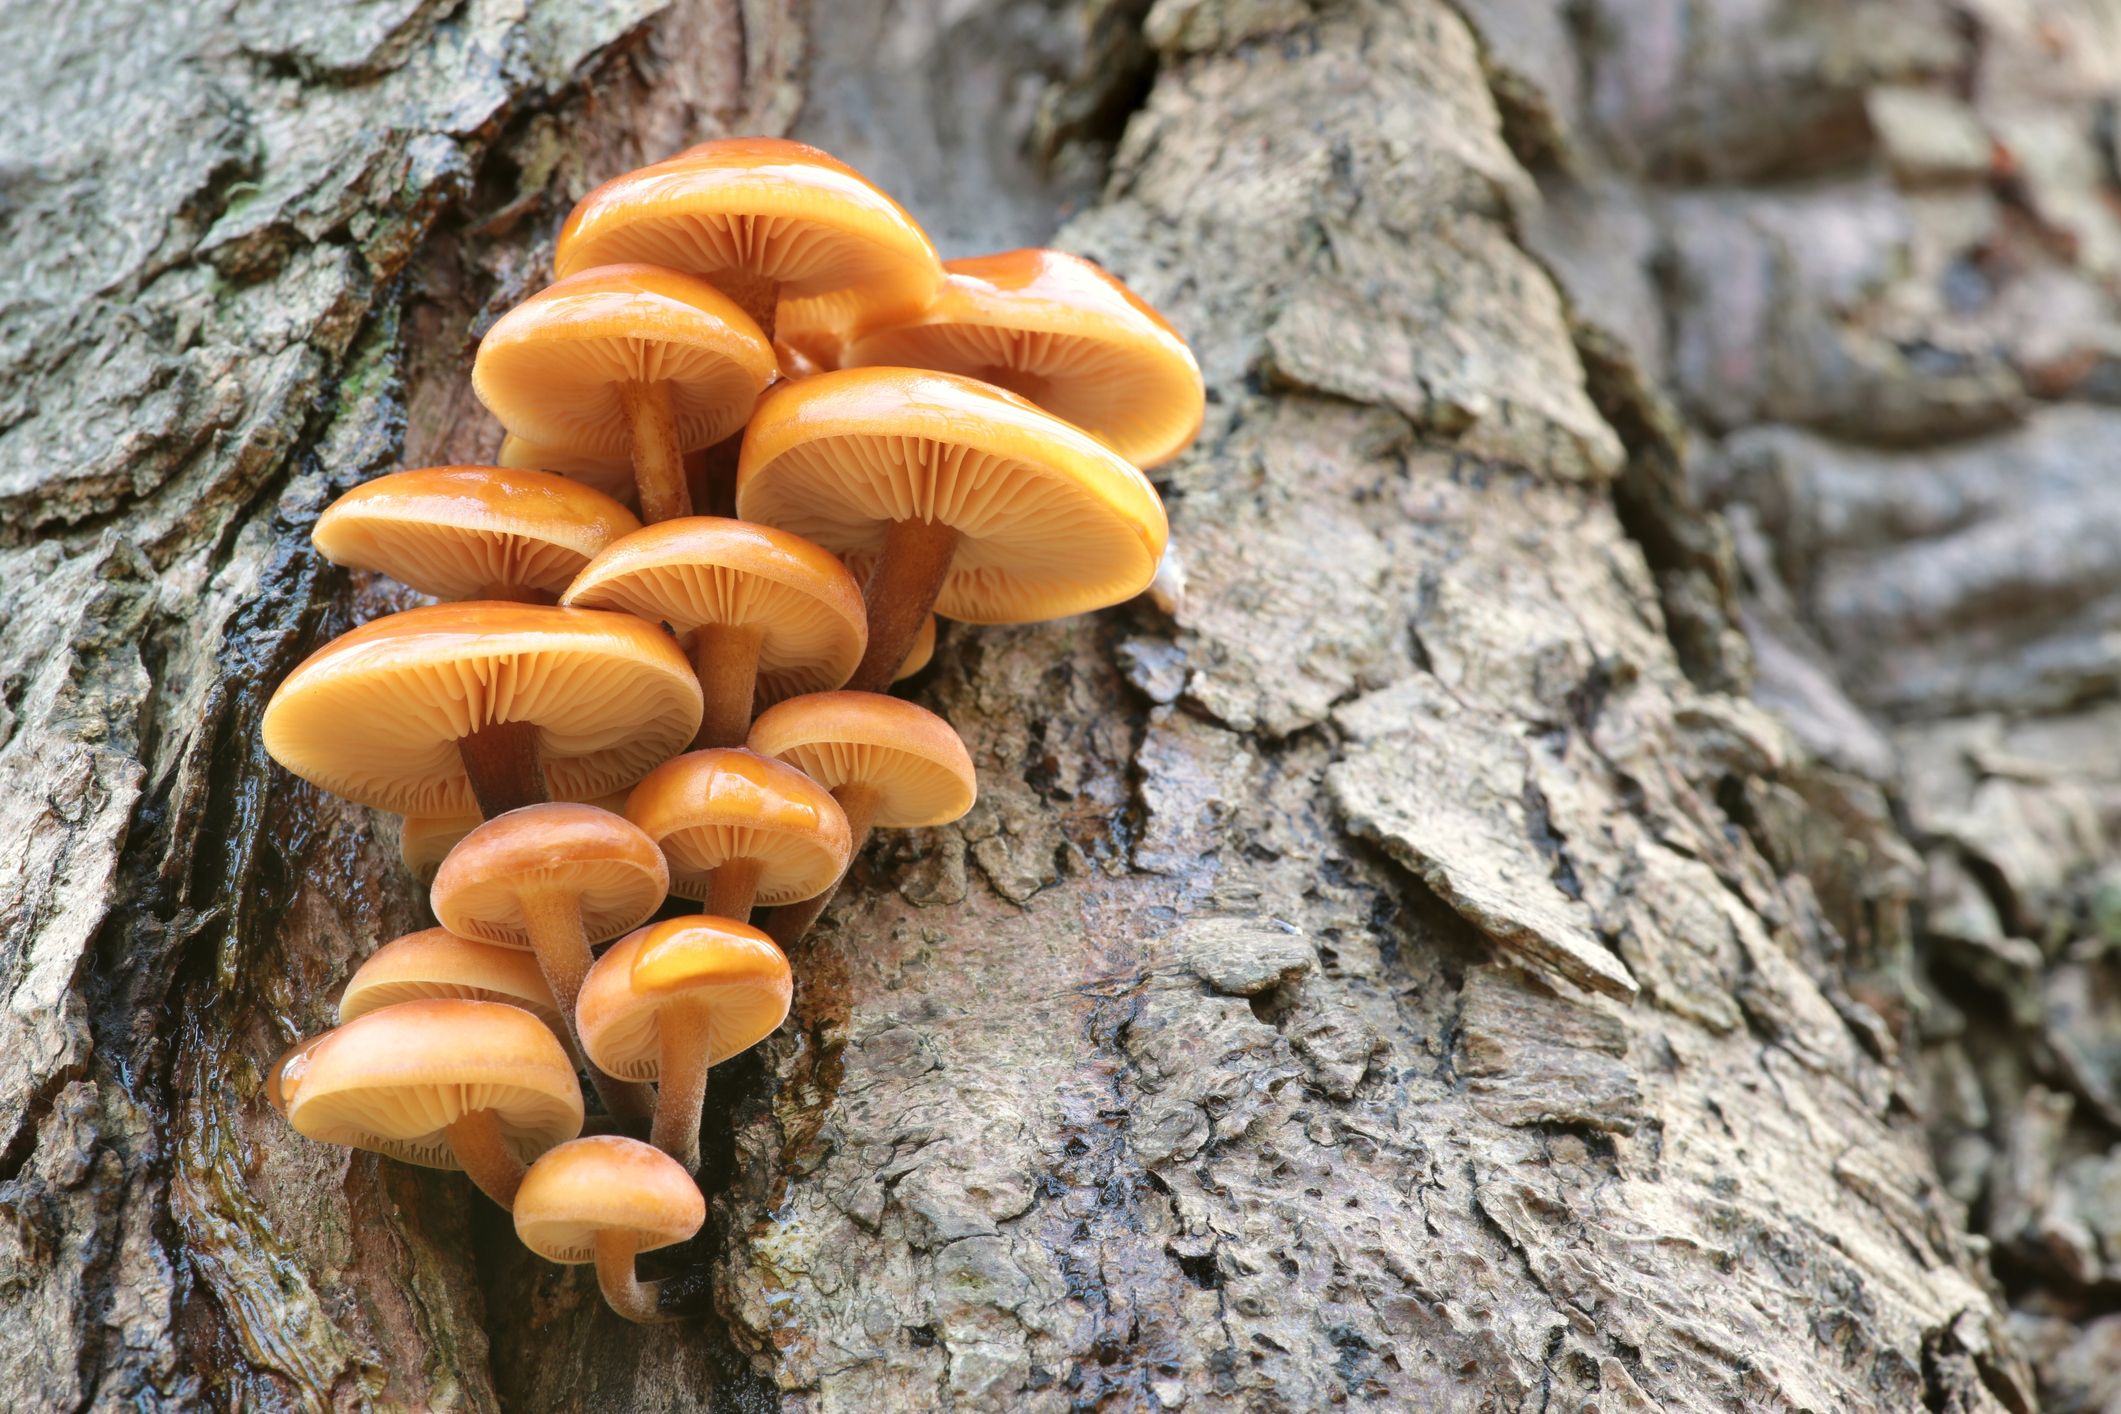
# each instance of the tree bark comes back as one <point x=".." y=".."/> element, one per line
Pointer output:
<point x="1404" y="967"/>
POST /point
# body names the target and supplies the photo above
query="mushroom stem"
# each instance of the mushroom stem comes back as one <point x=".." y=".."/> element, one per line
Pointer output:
<point x="789" y="924"/>
<point x="734" y="888"/>
<point x="513" y="594"/>
<point x="502" y="760"/>
<point x="681" y="1082"/>
<point x="727" y="659"/>
<point x="488" y="1161"/>
<point x="658" y="461"/>
<point x="756" y="295"/>
<point x="900" y="592"/>
<point x="714" y="483"/>
<point x="626" y="1293"/>
<point x="553" y="919"/>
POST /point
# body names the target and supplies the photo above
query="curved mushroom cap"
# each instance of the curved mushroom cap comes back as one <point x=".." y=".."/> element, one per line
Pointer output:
<point x="910" y="757"/>
<point x="611" y="475"/>
<point x="764" y="208"/>
<point x="462" y="532"/>
<point x="733" y="969"/>
<point x="285" y="1073"/>
<point x="921" y="654"/>
<point x="436" y="963"/>
<point x="605" y="1183"/>
<point x="424" y="841"/>
<point x="1063" y="333"/>
<point x="706" y="570"/>
<point x="396" y="1079"/>
<point x="551" y="368"/>
<point x="603" y="861"/>
<point x="376" y="714"/>
<point x="706" y="808"/>
<point x="1051" y="521"/>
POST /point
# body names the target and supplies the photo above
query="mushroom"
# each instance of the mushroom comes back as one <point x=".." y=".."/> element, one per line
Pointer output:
<point x="675" y="998"/>
<point x="626" y="359"/>
<point x="472" y="532"/>
<point x="605" y="1199"/>
<point x="969" y="501"/>
<point x="555" y="879"/>
<point x="1055" y="329"/>
<point x="765" y="614"/>
<point x="611" y="475"/>
<point x="921" y="653"/>
<point x="886" y="761"/>
<point x="424" y="841"/>
<point x="437" y="963"/>
<point x="740" y="829"/>
<point x="480" y="1086"/>
<point x="763" y="219"/>
<point x="285" y="1073"/>
<point x="453" y="708"/>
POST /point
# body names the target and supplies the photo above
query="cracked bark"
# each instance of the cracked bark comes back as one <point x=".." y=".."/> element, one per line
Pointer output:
<point x="1408" y="969"/>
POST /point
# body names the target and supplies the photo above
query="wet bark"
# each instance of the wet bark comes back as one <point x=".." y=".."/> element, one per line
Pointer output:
<point x="1408" y="966"/>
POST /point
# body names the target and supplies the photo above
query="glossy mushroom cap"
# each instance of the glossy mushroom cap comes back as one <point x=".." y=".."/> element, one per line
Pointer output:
<point x="706" y="808"/>
<point x="436" y="963"/>
<point x="921" y="654"/>
<point x="700" y="570"/>
<point x="1051" y="521"/>
<point x="736" y="971"/>
<point x="551" y="369"/>
<point x="376" y="714"/>
<point x="764" y="208"/>
<point x="467" y="532"/>
<point x="285" y="1074"/>
<point x="911" y="758"/>
<point x="1061" y="332"/>
<point x="394" y="1081"/>
<point x="613" y="475"/>
<point x="605" y="1184"/>
<point x="613" y="870"/>
<point x="424" y="841"/>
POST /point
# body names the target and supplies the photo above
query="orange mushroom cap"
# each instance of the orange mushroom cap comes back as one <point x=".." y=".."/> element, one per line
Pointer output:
<point x="436" y="963"/>
<point x="424" y="841"/>
<point x="285" y="1073"/>
<point x="376" y="714"/>
<point x="462" y="532"/>
<point x="1061" y="332"/>
<point x="394" y="1081"/>
<point x="551" y="368"/>
<point x="700" y="570"/>
<point x="603" y="1184"/>
<point x="1051" y="521"/>
<point x="911" y="758"/>
<point x="613" y="871"/>
<point x="733" y="968"/>
<point x="766" y="208"/>
<point x="613" y="475"/>
<point x="921" y="654"/>
<point x="706" y="808"/>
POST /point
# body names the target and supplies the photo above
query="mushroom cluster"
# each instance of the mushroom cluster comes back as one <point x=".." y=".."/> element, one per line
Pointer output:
<point x="618" y="701"/>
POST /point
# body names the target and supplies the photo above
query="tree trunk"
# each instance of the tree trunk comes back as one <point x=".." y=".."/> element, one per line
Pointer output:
<point x="1401" y="966"/>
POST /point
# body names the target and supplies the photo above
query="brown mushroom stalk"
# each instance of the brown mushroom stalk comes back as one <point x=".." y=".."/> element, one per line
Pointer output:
<point x="483" y="1150"/>
<point x="901" y="590"/>
<point x="734" y="888"/>
<point x="501" y="759"/>
<point x="658" y="460"/>
<point x="681" y="1080"/>
<point x="727" y="659"/>
<point x="627" y="1295"/>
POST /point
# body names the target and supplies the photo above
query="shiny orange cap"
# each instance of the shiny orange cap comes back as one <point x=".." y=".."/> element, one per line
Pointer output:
<point x="604" y="1184"/>
<point x="736" y="971"/>
<point x="706" y="808"/>
<point x="911" y="758"/>
<point x="612" y="873"/>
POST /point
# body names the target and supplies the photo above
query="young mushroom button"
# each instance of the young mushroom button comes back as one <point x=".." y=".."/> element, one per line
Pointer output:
<point x="436" y="963"/>
<point x="456" y="708"/>
<point x="605" y="1199"/>
<point x="966" y="500"/>
<point x="472" y="532"/>
<point x="675" y="998"/>
<point x="766" y="615"/>
<point x="1064" y="334"/>
<point x="739" y="829"/>
<point x="886" y="761"/>
<point x="477" y="1086"/>
<point x="554" y="879"/>
<point x="626" y="360"/>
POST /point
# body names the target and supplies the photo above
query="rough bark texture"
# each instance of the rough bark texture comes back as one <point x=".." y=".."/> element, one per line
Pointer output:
<point x="1407" y="967"/>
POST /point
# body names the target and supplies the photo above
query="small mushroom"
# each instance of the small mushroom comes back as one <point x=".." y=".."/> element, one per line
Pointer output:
<point x="886" y="761"/>
<point x="424" y="841"/>
<point x="966" y="499"/>
<point x="472" y="532"/>
<point x="677" y="997"/>
<point x="611" y="475"/>
<point x="921" y="653"/>
<point x="435" y="963"/>
<point x="456" y="708"/>
<point x="766" y="615"/>
<point x="606" y="1199"/>
<point x="740" y="829"/>
<point x="478" y="1086"/>
<point x="285" y="1073"/>
<point x="554" y="879"/>
<point x="1055" y="329"/>
<point x="626" y="360"/>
